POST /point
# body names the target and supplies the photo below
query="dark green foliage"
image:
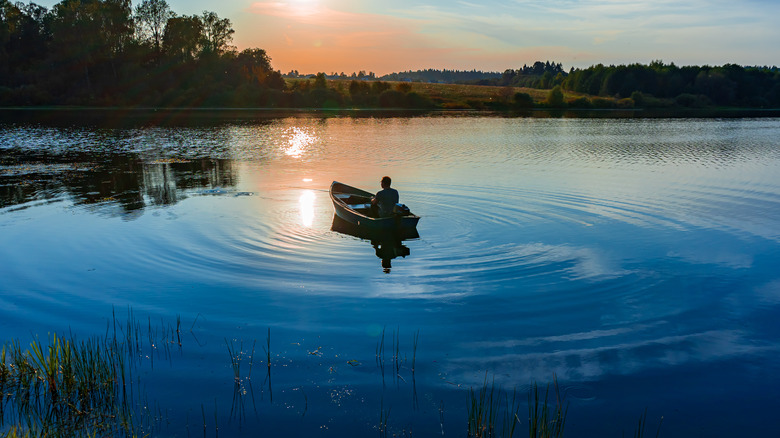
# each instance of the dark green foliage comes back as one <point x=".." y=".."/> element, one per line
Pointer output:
<point x="319" y="81"/>
<point x="359" y="92"/>
<point x="104" y="53"/>
<point x="638" y="98"/>
<point x="445" y="76"/>
<point x="325" y="98"/>
<point x="659" y="84"/>
<point x="392" y="99"/>
<point x="151" y="17"/>
<point x="182" y="38"/>
<point x="523" y="100"/>
<point x="581" y="103"/>
<point x="602" y="103"/>
<point x="378" y="87"/>
<point x="542" y="75"/>
<point x="555" y="97"/>
<point x="404" y="87"/>
<point x="416" y="100"/>
<point x="378" y="94"/>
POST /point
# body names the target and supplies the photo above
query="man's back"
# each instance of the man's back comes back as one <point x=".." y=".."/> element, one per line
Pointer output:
<point x="386" y="200"/>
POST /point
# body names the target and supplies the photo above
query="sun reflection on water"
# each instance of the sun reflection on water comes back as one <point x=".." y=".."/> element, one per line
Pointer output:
<point x="298" y="142"/>
<point x="306" y="202"/>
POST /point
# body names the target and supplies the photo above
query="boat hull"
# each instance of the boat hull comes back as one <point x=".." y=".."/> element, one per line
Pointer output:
<point x="345" y="198"/>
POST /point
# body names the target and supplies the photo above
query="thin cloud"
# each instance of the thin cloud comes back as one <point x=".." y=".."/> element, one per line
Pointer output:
<point x="318" y="38"/>
<point x="498" y="35"/>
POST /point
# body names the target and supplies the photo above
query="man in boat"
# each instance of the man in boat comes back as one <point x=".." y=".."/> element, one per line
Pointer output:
<point x="385" y="199"/>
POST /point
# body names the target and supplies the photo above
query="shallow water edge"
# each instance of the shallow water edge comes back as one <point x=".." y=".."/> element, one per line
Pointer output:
<point x="127" y="117"/>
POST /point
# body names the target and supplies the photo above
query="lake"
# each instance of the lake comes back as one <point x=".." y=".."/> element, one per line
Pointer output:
<point x="632" y="260"/>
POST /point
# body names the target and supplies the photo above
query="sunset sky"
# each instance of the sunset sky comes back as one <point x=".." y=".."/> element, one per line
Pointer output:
<point x="388" y="36"/>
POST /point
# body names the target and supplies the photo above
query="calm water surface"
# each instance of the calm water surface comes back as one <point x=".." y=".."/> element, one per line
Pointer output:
<point x="636" y="260"/>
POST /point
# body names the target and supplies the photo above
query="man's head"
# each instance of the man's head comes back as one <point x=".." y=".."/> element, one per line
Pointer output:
<point x="386" y="182"/>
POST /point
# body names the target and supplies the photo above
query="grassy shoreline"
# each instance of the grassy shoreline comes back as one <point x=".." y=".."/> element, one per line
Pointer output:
<point x="12" y="113"/>
<point x="431" y="98"/>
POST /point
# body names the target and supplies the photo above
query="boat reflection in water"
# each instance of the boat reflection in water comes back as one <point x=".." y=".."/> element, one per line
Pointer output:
<point x="387" y="244"/>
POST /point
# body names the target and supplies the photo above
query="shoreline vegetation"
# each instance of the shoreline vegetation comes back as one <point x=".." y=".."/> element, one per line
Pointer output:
<point x="109" y="54"/>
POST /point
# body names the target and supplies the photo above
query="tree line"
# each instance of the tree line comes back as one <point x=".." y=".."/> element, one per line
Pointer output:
<point x="104" y="52"/>
<point x="660" y="84"/>
<point x="109" y="53"/>
<point x="540" y="75"/>
<point x="654" y="85"/>
<point x="441" y="76"/>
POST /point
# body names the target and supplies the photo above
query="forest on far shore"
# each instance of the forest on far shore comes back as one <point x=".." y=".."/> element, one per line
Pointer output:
<point x="108" y="53"/>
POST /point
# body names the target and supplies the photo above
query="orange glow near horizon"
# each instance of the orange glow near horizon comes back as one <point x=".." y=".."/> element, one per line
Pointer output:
<point x="309" y="37"/>
<point x="335" y="36"/>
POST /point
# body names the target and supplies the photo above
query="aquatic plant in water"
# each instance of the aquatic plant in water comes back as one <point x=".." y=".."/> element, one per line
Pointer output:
<point x="489" y="403"/>
<point x="65" y="387"/>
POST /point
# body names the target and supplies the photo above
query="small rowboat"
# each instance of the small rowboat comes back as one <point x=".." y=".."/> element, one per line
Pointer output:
<point x="354" y="206"/>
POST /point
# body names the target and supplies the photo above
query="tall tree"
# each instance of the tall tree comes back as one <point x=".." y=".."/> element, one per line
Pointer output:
<point x="254" y="66"/>
<point x="24" y="39"/>
<point x="217" y="33"/>
<point x="182" y="37"/>
<point x="7" y="14"/>
<point x="117" y="28"/>
<point x="76" y="42"/>
<point x="151" y="17"/>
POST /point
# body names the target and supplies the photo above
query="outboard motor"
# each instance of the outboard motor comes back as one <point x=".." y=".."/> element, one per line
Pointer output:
<point x="401" y="210"/>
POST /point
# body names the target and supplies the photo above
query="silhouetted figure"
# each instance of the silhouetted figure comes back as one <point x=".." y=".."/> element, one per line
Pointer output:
<point x="387" y="245"/>
<point x="385" y="199"/>
<point x="387" y="250"/>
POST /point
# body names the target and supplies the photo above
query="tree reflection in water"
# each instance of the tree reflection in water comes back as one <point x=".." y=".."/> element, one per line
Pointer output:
<point x="111" y="180"/>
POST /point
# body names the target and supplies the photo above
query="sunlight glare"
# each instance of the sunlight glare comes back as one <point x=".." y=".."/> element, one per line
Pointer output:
<point x="303" y="7"/>
<point x="298" y="143"/>
<point x="307" y="208"/>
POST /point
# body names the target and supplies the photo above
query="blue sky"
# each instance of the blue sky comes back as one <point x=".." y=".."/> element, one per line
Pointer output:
<point x="383" y="36"/>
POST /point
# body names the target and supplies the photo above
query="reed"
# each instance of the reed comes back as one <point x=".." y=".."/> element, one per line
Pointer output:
<point x="252" y="358"/>
<point x="216" y="419"/>
<point x="178" y="330"/>
<point x="63" y="388"/>
<point x="414" y="349"/>
<point x="543" y="421"/>
<point x="380" y="355"/>
<point x="70" y="387"/>
<point x="396" y="350"/>
<point x="384" y="415"/>
<point x="510" y="416"/>
<point x="268" y="349"/>
<point x="640" y="430"/>
<point x="203" y="414"/>
<point x="483" y="411"/>
<point x="235" y="360"/>
<point x="380" y="348"/>
<point x="489" y="403"/>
